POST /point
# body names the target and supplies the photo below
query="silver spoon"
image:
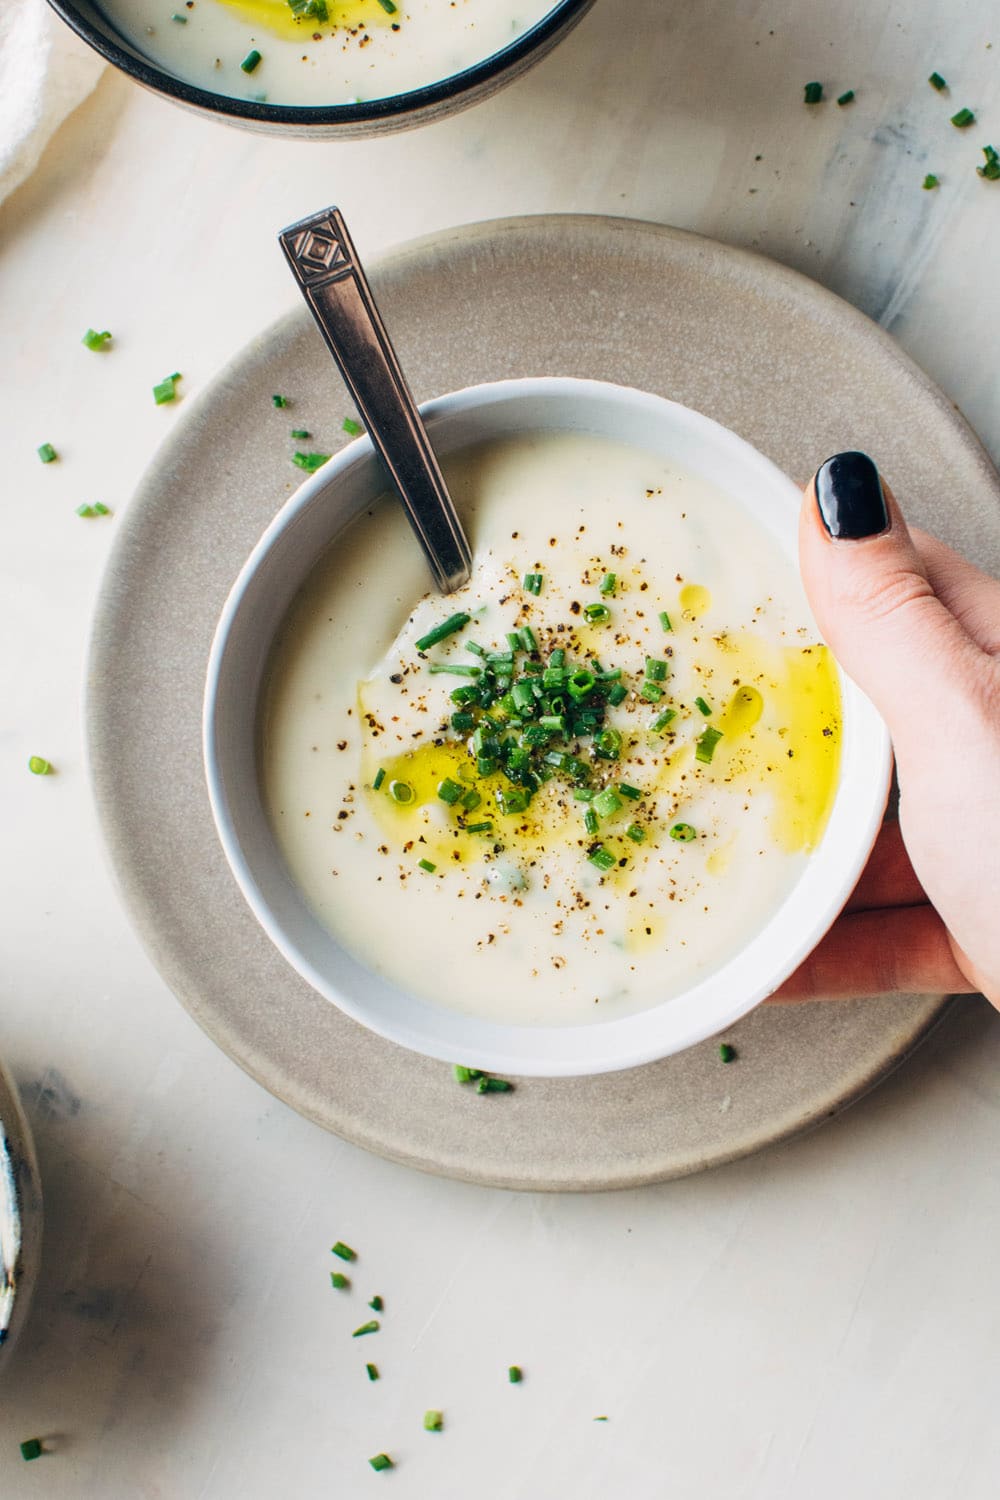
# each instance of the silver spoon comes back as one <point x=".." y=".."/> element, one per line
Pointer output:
<point x="330" y="277"/>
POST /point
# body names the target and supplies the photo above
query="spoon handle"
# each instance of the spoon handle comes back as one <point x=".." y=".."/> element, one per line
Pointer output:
<point x="330" y="277"/>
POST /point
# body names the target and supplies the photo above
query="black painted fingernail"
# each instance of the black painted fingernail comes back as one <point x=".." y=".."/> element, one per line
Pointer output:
<point x="850" y="499"/>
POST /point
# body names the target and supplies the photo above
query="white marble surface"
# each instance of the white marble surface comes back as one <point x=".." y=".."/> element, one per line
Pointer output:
<point x="818" y="1321"/>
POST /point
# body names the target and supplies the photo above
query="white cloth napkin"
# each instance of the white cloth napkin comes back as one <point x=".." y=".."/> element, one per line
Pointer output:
<point x="45" y="72"/>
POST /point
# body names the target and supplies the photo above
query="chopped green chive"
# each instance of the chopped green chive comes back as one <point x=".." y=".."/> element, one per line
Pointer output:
<point x="656" y="670"/>
<point x="602" y="859"/>
<point x="597" y="614"/>
<point x="991" y="169"/>
<point x="705" y="745"/>
<point x="600" y="1419"/>
<point x="608" y="583"/>
<point x="527" y="638"/>
<point x="379" y="778"/>
<point x="381" y="1461"/>
<point x="631" y="792"/>
<point x="608" y="744"/>
<point x="813" y="93"/>
<point x="428" y="865"/>
<point x="300" y="433"/>
<point x="440" y="632"/>
<point x="515" y="1375"/>
<point x="479" y="827"/>
<point x="702" y="707"/>
<point x="316" y="10"/>
<point x="533" y="583"/>
<point x="590" y="821"/>
<point x="181" y="20"/>
<point x="352" y="428"/>
<point x="31" y="1448"/>
<point x="95" y="340"/>
<point x="683" y="833"/>
<point x="339" y="1281"/>
<point x="433" y="1421"/>
<point x="310" y="462"/>
<point x="493" y="1086"/>
<point x="388" y="6"/>
<point x="665" y="620"/>
<point x="279" y="401"/>
<point x="846" y="98"/>
<point x="636" y="833"/>
<point x="930" y="181"/>
<point x="100" y="509"/>
<point x="661" y="721"/>
<point x="401" y="792"/>
<point x="47" y="453"/>
<point x="166" y="389"/>
<point x="454" y="669"/>
<point x="376" y="1304"/>
<point x="86" y="511"/>
<point x="343" y="1252"/>
<point x="581" y="682"/>
<point x="651" y="692"/>
<point x="450" y="791"/>
<point x="39" y="766"/>
<point x="465" y="1075"/>
<point x="251" y="60"/>
<point x="727" y="1052"/>
<point x="606" y="803"/>
<point x="937" y="82"/>
<point x="372" y="1326"/>
<point x="372" y="1371"/>
<point x="617" y="693"/>
<point x="963" y="119"/>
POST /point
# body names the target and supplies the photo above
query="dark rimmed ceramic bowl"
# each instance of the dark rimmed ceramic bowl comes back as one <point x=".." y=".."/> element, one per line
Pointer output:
<point x="20" y="1216"/>
<point x="335" y="121"/>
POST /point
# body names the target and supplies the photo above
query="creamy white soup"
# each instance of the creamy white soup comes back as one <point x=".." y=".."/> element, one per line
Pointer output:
<point x="582" y="782"/>
<point x="316" y="52"/>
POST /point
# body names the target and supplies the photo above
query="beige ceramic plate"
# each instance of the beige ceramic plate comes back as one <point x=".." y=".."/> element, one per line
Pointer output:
<point x="789" y="367"/>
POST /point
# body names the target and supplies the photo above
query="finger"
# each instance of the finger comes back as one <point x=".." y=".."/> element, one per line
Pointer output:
<point x="874" y="602"/>
<point x="888" y="878"/>
<point x="971" y="595"/>
<point x="904" y="951"/>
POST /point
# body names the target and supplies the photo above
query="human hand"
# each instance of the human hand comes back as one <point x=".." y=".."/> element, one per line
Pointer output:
<point x="918" y="629"/>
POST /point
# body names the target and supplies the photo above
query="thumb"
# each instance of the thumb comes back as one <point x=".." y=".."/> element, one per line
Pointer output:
<point x="873" y="602"/>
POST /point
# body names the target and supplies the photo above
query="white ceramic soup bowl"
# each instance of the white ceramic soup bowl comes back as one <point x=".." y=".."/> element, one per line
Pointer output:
<point x="254" y="611"/>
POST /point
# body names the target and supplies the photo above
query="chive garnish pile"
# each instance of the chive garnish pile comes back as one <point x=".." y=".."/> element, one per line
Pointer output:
<point x="527" y="713"/>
